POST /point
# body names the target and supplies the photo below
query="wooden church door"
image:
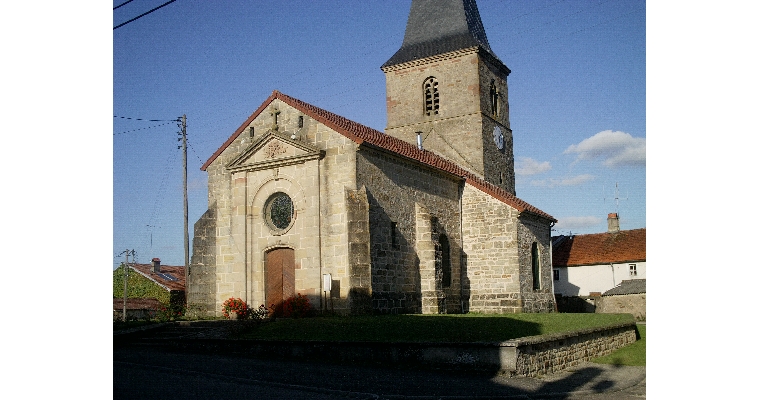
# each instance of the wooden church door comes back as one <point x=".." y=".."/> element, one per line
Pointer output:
<point x="280" y="277"/>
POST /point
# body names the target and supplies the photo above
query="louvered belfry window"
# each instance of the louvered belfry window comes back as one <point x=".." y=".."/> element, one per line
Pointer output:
<point x="494" y="94"/>
<point x="431" y="96"/>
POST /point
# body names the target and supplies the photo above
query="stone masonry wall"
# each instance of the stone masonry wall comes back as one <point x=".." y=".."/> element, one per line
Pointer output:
<point x="498" y="165"/>
<point x="462" y="131"/>
<point x="359" y="265"/>
<point x="635" y="304"/>
<point x="319" y="232"/>
<point x="491" y="270"/>
<point x="395" y="187"/>
<point x="532" y="229"/>
<point x="201" y="282"/>
<point x="246" y="274"/>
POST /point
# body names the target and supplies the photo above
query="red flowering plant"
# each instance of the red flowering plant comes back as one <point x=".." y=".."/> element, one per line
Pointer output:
<point x="236" y="306"/>
<point x="297" y="306"/>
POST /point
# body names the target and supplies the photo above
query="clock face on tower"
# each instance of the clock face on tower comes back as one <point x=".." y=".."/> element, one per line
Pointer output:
<point x="498" y="137"/>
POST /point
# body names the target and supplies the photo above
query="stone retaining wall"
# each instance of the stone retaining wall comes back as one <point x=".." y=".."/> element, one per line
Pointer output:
<point x="539" y="355"/>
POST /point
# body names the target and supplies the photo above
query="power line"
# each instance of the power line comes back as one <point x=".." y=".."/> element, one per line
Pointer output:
<point x="196" y="154"/>
<point x="140" y="129"/>
<point x="149" y="120"/>
<point x="123" y="4"/>
<point x="143" y="14"/>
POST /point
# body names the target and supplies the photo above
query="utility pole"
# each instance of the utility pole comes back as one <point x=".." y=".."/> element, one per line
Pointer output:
<point x="184" y="179"/>
<point x="126" y="275"/>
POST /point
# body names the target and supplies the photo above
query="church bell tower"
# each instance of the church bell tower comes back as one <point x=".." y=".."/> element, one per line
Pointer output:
<point x="446" y="84"/>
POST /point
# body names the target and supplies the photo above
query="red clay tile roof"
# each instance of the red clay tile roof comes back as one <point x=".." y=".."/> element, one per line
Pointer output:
<point x="177" y="272"/>
<point x="601" y="248"/>
<point x="361" y="134"/>
<point x="136" y="304"/>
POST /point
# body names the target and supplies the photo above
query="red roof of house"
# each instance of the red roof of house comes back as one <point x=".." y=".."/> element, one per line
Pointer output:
<point x="136" y="304"/>
<point x="165" y="278"/>
<point x="601" y="248"/>
<point x="361" y="134"/>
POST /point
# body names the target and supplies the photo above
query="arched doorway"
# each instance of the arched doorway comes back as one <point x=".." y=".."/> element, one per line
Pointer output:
<point x="280" y="277"/>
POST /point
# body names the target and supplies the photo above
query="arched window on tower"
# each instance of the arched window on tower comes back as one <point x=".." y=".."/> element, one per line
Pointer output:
<point x="494" y="94"/>
<point x="430" y="91"/>
<point x="535" y="266"/>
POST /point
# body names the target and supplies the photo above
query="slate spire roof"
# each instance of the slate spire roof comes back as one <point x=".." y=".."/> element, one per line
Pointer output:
<point x="364" y="135"/>
<point x="441" y="26"/>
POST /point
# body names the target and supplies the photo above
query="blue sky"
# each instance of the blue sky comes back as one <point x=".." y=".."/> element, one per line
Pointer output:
<point x="577" y="96"/>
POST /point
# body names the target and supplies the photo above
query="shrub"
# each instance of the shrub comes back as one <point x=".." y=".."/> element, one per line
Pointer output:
<point x="297" y="306"/>
<point x="170" y="313"/>
<point x="237" y="306"/>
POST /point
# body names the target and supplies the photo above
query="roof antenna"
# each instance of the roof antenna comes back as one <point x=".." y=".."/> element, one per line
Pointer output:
<point x="617" y="198"/>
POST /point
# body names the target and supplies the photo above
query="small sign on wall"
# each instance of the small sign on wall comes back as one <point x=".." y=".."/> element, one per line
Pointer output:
<point x="327" y="282"/>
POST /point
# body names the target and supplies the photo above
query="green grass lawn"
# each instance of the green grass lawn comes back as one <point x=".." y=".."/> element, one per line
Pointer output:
<point x="430" y="328"/>
<point x="635" y="354"/>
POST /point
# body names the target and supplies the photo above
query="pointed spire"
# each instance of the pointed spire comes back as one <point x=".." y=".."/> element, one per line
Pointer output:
<point x="440" y="26"/>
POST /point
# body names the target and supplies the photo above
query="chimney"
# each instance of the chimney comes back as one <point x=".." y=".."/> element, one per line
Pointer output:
<point x="156" y="265"/>
<point x="419" y="140"/>
<point x="613" y="223"/>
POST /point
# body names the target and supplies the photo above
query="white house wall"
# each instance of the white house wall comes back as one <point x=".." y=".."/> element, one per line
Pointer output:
<point x="582" y="280"/>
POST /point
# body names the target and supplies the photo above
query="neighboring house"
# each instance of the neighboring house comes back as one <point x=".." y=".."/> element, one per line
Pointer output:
<point x="420" y="219"/>
<point x="628" y="297"/>
<point x="164" y="283"/>
<point x="588" y="265"/>
<point x="136" y="308"/>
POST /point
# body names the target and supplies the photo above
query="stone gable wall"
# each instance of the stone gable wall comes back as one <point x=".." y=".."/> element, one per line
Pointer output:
<point x="396" y="189"/>
<point x="240" y="239"/>
<point x="534" y="229"/>
<point x="491" y="264"/>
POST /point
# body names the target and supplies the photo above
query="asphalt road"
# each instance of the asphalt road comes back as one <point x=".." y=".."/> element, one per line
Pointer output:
<point x="153" y="372"/>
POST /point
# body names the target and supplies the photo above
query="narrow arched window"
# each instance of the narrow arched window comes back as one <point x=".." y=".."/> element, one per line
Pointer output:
<point x="494" y="94"/>
<point x="536" y="266"/>
<point x="430" y="91"/>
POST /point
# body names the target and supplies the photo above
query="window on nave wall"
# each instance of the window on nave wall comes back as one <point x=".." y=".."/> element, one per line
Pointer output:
<point x="535" y="266"/>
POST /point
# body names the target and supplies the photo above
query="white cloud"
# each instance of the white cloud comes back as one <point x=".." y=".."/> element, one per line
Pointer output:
<point x="529" y="166"/>
<point x="615" y="148"/>
<point x="572" y="181"/>
<point x="577" y="223"/>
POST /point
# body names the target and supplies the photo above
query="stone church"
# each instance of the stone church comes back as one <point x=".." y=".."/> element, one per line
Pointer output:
<point x="421" y="218"/>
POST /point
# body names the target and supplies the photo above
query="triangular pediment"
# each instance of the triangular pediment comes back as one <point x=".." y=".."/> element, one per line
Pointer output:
<point x="273" y="150"/>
